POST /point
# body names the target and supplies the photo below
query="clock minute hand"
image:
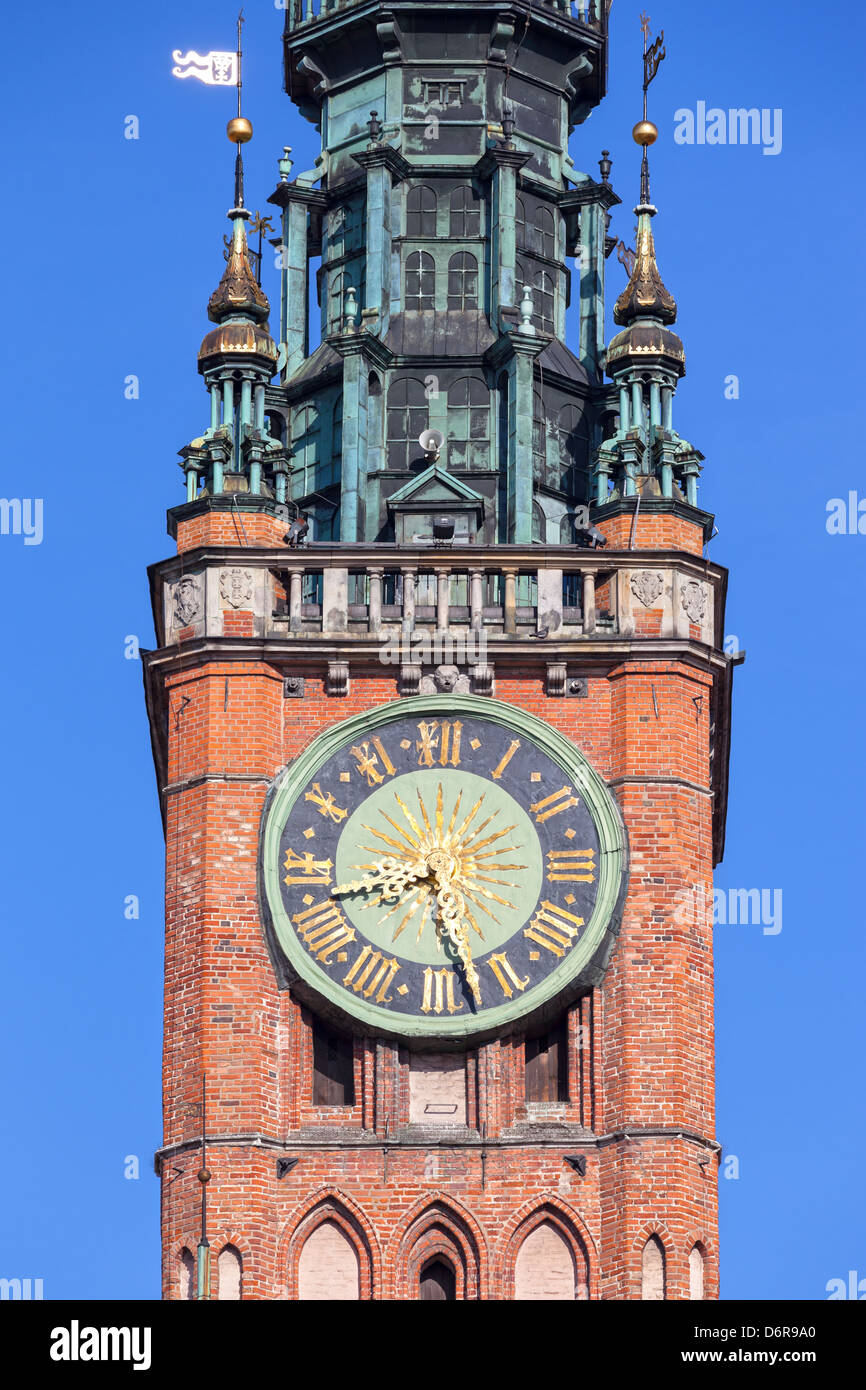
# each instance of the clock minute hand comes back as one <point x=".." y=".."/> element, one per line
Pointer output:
<point x="390" y="875"/>
<point x="452" y="908"/>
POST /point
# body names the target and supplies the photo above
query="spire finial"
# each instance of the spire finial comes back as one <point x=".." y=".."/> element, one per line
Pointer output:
<point x="645" y="295"/>
<point x="646" y="133"/>
<point x="239" y="129"/>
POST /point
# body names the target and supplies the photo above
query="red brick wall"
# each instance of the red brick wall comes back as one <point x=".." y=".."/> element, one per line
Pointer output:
<point x="643" y="1060"/>
<point x="654" y="531"/>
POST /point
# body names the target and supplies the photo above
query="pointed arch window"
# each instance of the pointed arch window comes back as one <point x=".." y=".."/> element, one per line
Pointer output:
<point x="437" y="1282"/>
<point x="468" y="423"/>
<point x="462" y="281"/>
<point x="653" y="1270"/>
<point x="421" y="211"/>
<point x="230" y="1275"/>
<point x="545" y="233"/>
<point x="696" y="1273"/>
<point x="465" y="212"/>
<point x="186" y="1274"/>
<point x="408" y="411"/>
<point x="420" y="281"/>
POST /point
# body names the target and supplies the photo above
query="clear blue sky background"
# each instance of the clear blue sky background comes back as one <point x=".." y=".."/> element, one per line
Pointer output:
<point x="113" y="247"/>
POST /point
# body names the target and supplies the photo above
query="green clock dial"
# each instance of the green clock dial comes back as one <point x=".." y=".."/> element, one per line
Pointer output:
<point x="441" y="868"/>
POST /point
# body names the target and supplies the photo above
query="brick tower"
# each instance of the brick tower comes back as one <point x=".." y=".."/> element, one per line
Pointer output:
<point x="440" y="709"/>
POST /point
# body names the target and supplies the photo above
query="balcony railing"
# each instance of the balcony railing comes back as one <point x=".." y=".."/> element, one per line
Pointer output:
<point x="441" y="596"/>
<point x="592" y="13"/>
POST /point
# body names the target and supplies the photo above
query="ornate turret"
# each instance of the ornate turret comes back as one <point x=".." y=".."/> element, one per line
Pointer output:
<point x="237" y="359"/>
<point x="646" y="360"/>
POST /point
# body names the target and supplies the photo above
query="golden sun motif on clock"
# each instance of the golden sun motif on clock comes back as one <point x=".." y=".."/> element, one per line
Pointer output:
<point x="480" y="867"/>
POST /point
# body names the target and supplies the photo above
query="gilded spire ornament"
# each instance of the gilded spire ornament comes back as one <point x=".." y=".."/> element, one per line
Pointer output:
<point x="645" y="295"/>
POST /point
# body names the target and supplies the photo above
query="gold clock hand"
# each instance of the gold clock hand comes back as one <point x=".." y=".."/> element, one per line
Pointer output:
<point x="452" y="908"/>
<point x="389" y="875"/>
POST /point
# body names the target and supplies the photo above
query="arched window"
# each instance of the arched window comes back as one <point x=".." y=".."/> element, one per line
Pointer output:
<point x="420" y="281"/>
<point x="328" y="470"/>
<point x="437" y="1282"/>
<point x="653" y="1270"/>
<point x="335" y="301"/>
<point x="408" y="412"/>
<point x="186" y="1279"/>
<point x="462" y="281"/>
<point x="229" y="1268"/>
<point x="523" y="278"/>
<point x="544" y="300"/>
<point x="275" y="425"/>
<point x="421" y="211"/>
<point x="696" y="1272"/>
<point x="465" y="212"/>
<point x="520" y="224"/>
<point x="305" y="443"/>
<point x="545" y="233"/>
<point x="573" y="438"/>
<point x="539" y="439"/>
<point x="329" y="1269"/>
<point x="539" y="523"/>
<point x="468" y="424"/>
<point x="545" y="1268"/>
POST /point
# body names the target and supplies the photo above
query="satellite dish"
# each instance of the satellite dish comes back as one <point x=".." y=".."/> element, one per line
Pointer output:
<point x="431" y="441"/>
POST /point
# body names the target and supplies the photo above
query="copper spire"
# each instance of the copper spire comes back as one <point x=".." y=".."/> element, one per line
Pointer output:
<point x="645" y="295"/>
<point x="238" y="292"/>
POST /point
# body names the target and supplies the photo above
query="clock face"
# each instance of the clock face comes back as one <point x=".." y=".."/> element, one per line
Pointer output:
<point x="441" y="867"/>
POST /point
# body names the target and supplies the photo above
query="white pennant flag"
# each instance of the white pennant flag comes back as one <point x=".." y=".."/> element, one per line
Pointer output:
<point x="216" y="69"/>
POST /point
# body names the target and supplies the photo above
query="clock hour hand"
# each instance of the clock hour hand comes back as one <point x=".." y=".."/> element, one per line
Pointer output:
<point x="389" y="875"/>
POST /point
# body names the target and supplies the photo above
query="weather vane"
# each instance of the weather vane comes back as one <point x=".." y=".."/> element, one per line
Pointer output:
<point x="646" y="132"/>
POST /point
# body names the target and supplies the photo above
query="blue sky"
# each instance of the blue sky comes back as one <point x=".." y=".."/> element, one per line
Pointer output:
<point x="117" y="245"/>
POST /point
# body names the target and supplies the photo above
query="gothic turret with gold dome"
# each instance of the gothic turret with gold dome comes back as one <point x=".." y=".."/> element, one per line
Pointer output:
<point x="237" y="359"/>
<point x="646" y="361"/>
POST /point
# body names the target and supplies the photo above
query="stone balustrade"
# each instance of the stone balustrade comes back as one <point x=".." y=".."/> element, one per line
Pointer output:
<point x="359" y="593"/>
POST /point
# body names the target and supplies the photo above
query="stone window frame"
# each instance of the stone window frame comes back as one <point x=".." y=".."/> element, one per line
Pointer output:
<point x="408" y="437"/>
<point x="462" y="281"/>
<point x="419" y="291"/>
<point x="425" y="213"/>
<point x="467" y="211"/>
<point x="460" y="418"/>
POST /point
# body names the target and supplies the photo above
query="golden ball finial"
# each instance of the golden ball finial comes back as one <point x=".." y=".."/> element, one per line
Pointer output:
<point x="645" y="133"/>
<point x="239" y="130"/>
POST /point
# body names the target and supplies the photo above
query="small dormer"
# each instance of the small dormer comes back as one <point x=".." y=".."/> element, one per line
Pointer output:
<point x="435" y="493"/>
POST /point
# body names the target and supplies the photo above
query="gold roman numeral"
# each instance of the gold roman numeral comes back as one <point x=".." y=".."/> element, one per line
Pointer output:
<point x="571" y="866"/>
<point x="439" y="992"/>
<point x="324" y="930"/>
<point x="505" y="760"/>
<point x="439" y="742"/>
<point x="325" y="804"/>
<point x="504" y="972"/>
<point x="370" y="972"/>
<point x="368" y="763"/>
<point x="554" y="928"/>
<point x="552" y="805"/>
<point x="304" y="869"/>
